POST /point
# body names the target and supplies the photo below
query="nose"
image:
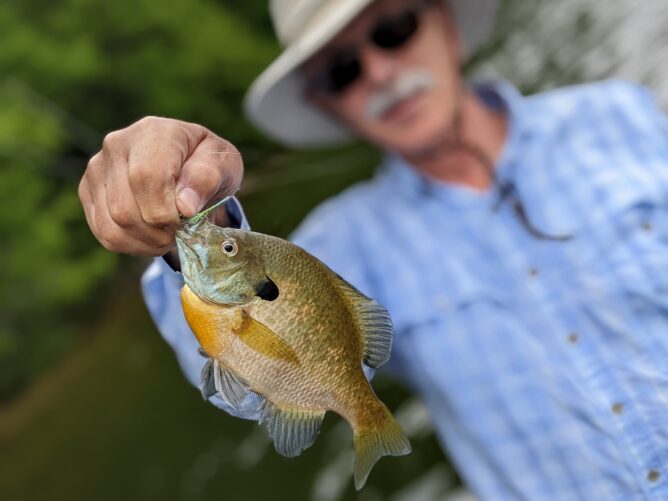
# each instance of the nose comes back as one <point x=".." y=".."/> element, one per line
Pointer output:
<point x="267" y="290"/>
<point x="379" y="66"/>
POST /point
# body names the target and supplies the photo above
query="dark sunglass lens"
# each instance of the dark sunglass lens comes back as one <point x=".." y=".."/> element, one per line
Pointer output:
<point x="343" y="71"/>
<point x="394" y="31"/>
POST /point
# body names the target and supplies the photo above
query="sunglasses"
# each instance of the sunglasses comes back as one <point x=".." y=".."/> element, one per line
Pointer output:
<point x="344" y="67"/>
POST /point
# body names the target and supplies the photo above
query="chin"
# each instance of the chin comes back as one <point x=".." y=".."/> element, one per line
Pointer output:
<point x="427" y="130"/>
<point x="416" y="140"/>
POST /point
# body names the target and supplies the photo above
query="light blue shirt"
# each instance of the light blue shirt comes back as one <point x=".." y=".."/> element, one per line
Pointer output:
<point x="544" y="364"/>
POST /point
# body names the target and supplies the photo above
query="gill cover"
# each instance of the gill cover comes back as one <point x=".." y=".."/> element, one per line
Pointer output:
<point x="222" y="265"/>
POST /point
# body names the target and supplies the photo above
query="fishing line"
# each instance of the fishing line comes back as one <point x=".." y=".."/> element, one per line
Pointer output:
<point x="506" y="190"/>
<point x="202" y="214"/>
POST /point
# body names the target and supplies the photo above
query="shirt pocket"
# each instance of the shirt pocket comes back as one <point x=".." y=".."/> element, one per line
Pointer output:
<point x="626" y="256"/>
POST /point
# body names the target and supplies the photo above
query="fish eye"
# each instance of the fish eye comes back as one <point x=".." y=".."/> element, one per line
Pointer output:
<point x="229" y="247"/>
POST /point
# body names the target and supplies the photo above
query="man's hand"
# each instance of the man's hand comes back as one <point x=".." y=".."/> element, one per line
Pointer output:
<point x="135" y="187"/>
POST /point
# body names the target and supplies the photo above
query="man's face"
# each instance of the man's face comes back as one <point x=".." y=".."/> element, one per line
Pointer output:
<point x="403" y="96"/>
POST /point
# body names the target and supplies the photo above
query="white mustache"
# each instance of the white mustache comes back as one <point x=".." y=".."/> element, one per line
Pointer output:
<point x="406" y="85"/>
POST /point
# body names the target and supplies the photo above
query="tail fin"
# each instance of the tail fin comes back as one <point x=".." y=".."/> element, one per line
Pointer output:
<point x="371" y="444"/>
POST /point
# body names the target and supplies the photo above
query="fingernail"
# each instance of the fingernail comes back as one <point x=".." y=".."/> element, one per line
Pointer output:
<point x="191" y="203"/>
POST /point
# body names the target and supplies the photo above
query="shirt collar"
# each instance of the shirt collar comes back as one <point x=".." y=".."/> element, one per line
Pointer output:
<point x="499" y="95"/>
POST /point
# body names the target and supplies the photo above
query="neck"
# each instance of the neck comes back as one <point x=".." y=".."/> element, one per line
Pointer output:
<point x="483" y="129"/>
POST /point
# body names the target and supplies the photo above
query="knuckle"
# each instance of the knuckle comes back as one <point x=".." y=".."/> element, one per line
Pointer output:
<point x="94" y="161"/>
<point x="109" y="241"/>
<point x="110" y="237"/>
<point x="149" y="122"/>
<point x="228" y="147"/>
<point x="140" y="176"/>
<point x="107" y="244"/>
<point x="121" y="214"/>
<point x="82" y="189"/>
<point x="157" y="216"/>
<point x="117" y="242"/>
<point x="195" y="131"/>
<point x="165" y="241"/>
<point x="154" y="124"/>
<point x="111" y="140"/>
<point x="93" y="169"/>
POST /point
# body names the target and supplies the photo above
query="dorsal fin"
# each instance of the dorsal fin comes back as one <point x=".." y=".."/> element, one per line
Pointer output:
<point x="374" y="321"/>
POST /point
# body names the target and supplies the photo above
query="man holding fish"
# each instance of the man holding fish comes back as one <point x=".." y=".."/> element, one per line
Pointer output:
<point x="519" y="244"/>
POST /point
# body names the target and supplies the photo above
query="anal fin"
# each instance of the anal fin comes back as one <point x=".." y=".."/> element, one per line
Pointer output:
<point x="292" y="430"/>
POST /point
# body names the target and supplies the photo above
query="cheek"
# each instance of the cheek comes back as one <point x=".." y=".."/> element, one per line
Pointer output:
<point x="233" y="290"/>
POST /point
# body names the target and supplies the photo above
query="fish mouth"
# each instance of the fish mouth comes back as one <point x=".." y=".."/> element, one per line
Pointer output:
<point x="191" y="261"/>
<point x="267" y="290"/>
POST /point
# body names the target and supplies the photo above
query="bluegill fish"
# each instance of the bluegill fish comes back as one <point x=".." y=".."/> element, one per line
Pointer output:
<point x="280" y="326"/>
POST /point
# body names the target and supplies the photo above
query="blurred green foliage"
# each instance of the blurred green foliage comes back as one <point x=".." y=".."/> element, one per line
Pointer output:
<point x="71" y="71"/>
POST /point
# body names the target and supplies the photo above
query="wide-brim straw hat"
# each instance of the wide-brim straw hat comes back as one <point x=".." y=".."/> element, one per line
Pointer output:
<point x="276" y="101"/>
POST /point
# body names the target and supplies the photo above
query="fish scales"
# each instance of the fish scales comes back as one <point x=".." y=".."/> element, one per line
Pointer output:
<point x="280" y="326"/>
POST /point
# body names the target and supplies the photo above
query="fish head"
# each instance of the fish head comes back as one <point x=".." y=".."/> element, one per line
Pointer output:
<point x="223" y="265"/>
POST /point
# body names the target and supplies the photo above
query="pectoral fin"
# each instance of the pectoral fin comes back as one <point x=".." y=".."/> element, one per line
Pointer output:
<point x="263" y="340"/>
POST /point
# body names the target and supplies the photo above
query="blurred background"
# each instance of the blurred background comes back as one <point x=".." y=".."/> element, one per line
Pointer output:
<point x="92" y="403"/>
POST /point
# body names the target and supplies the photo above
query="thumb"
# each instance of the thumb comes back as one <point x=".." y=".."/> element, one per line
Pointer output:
<point x="213" y="169"/>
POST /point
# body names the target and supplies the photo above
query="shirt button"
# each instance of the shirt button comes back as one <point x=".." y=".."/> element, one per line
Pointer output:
<point x="653" y="475"/>
<point x="533" y="272"/>
<point x="618" y="408"/>
<point x="441" y="302"/>
<point x="646" y="226"/>
<point x="573" y="337"/>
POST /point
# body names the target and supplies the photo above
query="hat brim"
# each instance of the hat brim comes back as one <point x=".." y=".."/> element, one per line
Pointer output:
<point x="276" y="103"/>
